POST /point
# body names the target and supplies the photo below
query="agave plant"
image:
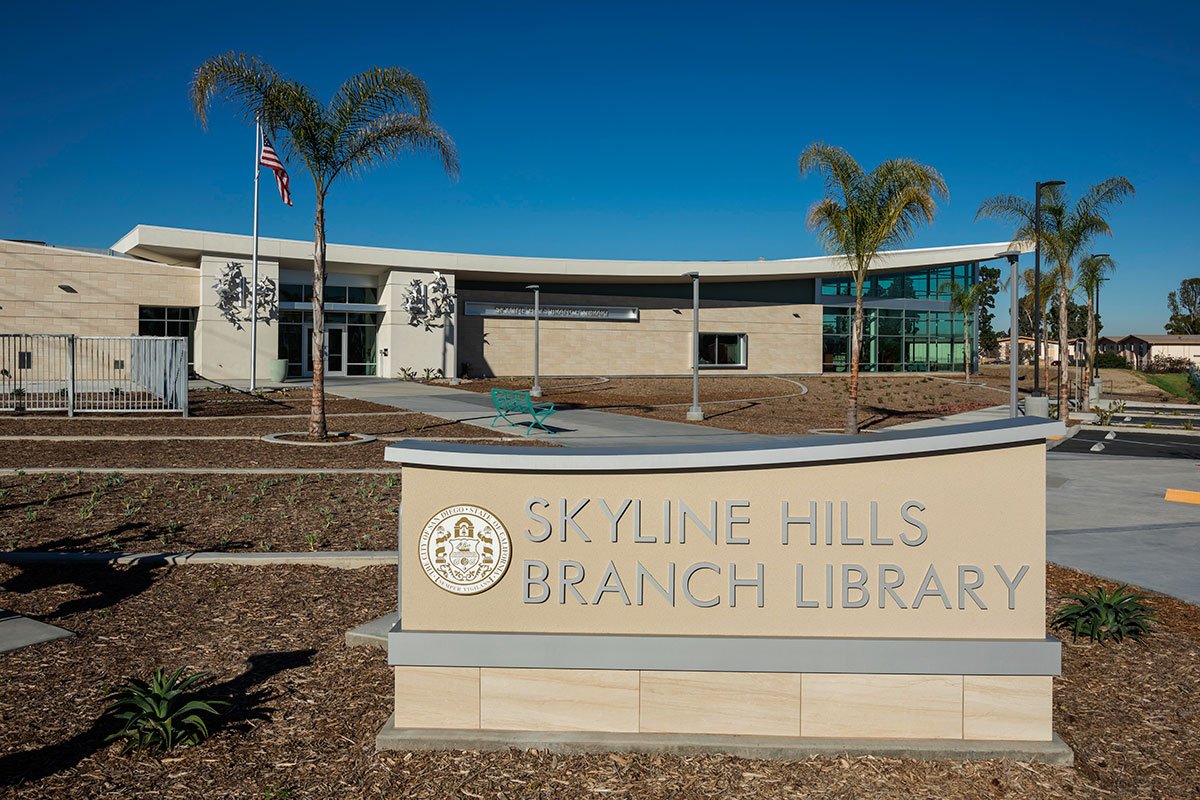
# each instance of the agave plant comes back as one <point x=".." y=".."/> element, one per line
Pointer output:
<point x="160" y="715"/>
<point x="1102" y="614"/>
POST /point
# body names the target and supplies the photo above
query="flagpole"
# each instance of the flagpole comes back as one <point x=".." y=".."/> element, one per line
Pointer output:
<point x="254" y="260"/>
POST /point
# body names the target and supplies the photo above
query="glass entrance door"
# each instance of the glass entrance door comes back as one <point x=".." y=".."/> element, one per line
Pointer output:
<point x="335" y="350"/>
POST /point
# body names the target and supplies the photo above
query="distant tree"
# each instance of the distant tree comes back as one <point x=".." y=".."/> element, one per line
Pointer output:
<point x="1185" y="308"/>
<point x="862" y="214"/>
<point x="1092" y="272"/>
<point x="1025" y="304"/>
<point x="989" y="342"/>
<point x="1077" y="322"/>
<point x="964" y="299"/>
<point x="373" y="118"/>
<point x="1065" y="232"/>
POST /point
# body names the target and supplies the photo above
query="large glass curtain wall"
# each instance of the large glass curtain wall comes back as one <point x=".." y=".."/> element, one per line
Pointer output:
<point x="897" y="339"/>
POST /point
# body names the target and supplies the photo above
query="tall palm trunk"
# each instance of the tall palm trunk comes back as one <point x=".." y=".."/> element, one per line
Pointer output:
<point x="1092" y="344"/>
<point x="316" y="418"/>
<point x="1063" y="372"/>
<point x="856" y="335"/>
<point x="966" y="347"/>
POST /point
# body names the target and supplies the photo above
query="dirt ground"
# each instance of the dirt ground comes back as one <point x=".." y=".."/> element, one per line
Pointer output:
<point x="777" y="405"/>
<point x="231" y="402"/>
<point x="173" y="512"/>
<point x="306" y="708"/>
<point x="1124" y="384"/>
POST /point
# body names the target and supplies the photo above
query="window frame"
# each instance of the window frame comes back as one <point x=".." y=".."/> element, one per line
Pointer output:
<point x="745" y="349"/>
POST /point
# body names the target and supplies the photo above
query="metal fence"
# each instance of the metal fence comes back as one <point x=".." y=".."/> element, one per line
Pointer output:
<point x="64" y="372"/>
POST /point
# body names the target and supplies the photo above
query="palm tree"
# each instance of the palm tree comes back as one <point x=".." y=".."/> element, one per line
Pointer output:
<point x="1092" y="269"/>
<point x="863" y="213"/>
<point x="373" y="118"/>
<point x="965" y="299"/>
<point x="1045" y="294"/>
<point x="1066" y="232"/>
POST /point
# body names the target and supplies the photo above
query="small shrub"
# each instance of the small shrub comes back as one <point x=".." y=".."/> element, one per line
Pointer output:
<point x="1160" y="365"/>
<point x="408" y="374"/>
<point x="1111" y="360"/>
<point x="1188" y="425"/>
<point x="160" y="715"/>
<point x="1104" y="416"/>
<point x="1101" y="614"/>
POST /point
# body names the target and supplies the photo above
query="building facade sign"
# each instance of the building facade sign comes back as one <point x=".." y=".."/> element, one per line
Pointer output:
<point x="523" y="311"/>
<point x="879" y="571"/>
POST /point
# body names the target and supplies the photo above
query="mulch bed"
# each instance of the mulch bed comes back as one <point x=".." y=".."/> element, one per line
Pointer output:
<point x="390" y="423"/>
<point x="307" y="708"/>
<point x="231" y="402"/>
<point x="885" y="400"/>
<point x="139" y="513"/>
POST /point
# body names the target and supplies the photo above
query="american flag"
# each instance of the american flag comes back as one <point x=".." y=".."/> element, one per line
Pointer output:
<point x="269" y="158"/>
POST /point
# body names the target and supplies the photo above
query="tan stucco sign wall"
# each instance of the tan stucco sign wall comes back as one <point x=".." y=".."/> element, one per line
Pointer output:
<point x="937" y="546"/>
<point x="877" y="587"/>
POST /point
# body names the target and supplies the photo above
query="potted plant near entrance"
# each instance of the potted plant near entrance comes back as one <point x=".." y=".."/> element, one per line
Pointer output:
<point x="277" y="370"/>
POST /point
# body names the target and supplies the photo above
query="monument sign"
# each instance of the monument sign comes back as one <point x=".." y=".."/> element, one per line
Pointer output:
<point x="889" y="586"/>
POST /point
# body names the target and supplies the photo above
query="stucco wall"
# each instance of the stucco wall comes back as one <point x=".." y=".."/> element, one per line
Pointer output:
<point x="223" y="351"/>
<point x="106" y="296"/>
<point x="783" y="338"/>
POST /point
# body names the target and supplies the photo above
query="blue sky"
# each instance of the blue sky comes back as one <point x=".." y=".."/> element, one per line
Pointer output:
<point x="626" y="130"/>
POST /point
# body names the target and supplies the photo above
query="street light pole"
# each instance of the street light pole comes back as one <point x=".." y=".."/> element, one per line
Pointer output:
<point x="695" y="413"/>
<point x="1095" y="350"/>
<point x="454" y="379"/>
<point x="1014" y="340"/>
<point x="536" y="389"/>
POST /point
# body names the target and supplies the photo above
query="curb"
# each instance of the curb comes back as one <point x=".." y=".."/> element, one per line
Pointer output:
<point x="337" y="559"/>
<point x="1131" y="429"/>
<point x="344" y="439"/>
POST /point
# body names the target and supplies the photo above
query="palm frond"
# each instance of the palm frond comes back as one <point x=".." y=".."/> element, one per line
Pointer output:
<point x="244" y="81"/>
<point x="387" y="136"/>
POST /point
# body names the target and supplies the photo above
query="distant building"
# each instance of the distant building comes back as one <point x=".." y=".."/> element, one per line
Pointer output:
<point x="1140" y="348"/>
<point x="1075" y="347"/>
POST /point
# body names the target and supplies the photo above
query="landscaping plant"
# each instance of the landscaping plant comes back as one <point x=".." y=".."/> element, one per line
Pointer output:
<point x="1101" y="614"/>
<point x="374" y="117"/>
<point x="862" y="214"/>
<point x="1066" y="232"/>
<point x="160" y="715"/>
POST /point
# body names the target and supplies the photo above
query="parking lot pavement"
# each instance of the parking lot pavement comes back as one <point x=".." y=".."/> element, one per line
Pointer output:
<point x="1106" y="514"/>
<point x="1131" y="443"/>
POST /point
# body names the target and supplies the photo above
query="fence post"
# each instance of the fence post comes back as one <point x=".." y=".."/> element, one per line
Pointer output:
<point x="181" y="358"/>
<point x="70" y="375"/>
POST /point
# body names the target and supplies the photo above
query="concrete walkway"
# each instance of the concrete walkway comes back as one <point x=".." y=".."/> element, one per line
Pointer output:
<point x="17" y="631"/>
<point x="574" y="427"/>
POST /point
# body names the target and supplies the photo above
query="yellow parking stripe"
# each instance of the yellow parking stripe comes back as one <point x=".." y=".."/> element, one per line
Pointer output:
<point x="1182" y="496"/>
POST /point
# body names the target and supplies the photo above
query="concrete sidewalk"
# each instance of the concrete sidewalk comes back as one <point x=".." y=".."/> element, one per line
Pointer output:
<point x="17" y="631"/>
<point x="574" y="427"/>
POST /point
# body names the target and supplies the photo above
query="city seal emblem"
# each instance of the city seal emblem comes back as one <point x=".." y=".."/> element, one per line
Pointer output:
<point x="465" y="549"/>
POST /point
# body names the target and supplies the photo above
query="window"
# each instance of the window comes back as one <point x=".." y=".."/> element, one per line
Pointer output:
<point x="722" y="349"/>
<point x="169" y="321"/>
<point x="302" y="293"/>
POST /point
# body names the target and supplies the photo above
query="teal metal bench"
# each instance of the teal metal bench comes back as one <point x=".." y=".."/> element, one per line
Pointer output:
<point x="509" y="401"/>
